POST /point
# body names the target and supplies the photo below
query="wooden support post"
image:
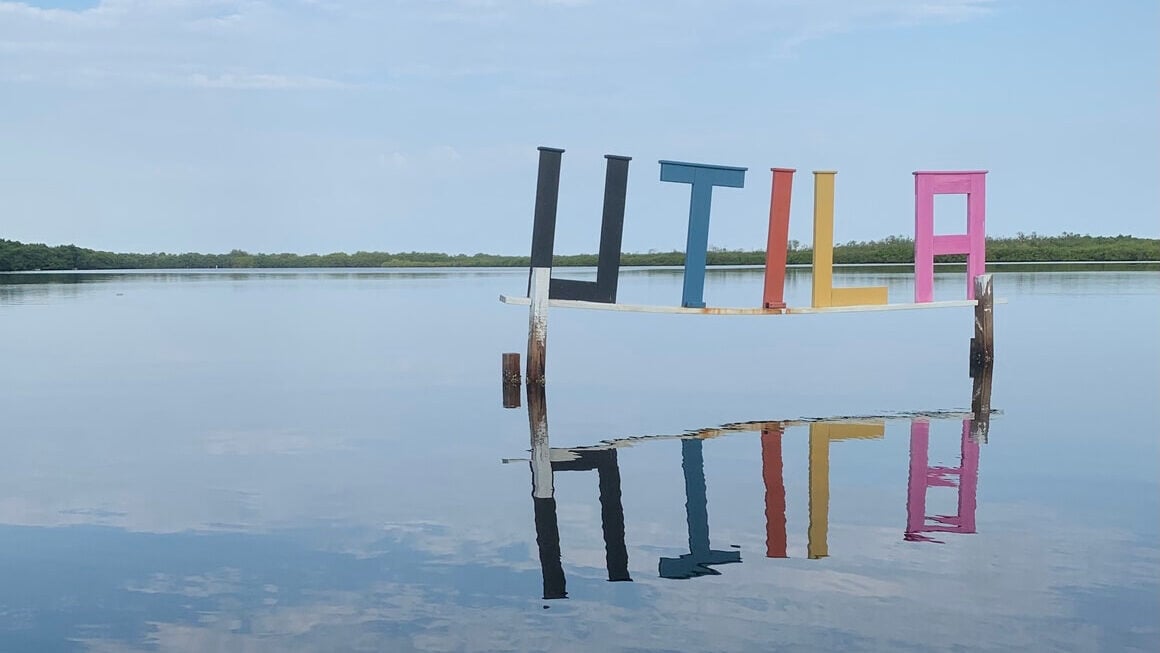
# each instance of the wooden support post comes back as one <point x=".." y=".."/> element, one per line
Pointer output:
<point x="983" y="344"/>
<point x="538" y="324"/>
<point x="512" y="380"/>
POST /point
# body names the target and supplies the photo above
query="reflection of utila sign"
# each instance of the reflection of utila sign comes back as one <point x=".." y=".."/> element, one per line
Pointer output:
<point x="702" y="178"/>
<point x="701" y="559"/>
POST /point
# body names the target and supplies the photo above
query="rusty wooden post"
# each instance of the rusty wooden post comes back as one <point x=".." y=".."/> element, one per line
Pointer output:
<point x="981" y="406"/>
<point x="983" y="344"/>
<point x="511" y="380"/>
<point x="543" y="496"/>
<point x="538" y="324"/>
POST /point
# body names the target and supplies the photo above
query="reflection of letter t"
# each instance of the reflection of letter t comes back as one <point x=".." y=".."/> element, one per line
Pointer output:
<point x="703" y="178"/>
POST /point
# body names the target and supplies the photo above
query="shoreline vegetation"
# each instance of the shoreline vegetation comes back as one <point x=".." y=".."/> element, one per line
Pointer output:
<point x="895" y="250"/>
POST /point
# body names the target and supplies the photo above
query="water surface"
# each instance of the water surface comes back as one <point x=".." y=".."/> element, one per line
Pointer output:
<point x="314" y="460"/>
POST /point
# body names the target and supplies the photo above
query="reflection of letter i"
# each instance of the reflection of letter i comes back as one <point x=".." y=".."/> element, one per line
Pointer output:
<point x="771" y="468"/>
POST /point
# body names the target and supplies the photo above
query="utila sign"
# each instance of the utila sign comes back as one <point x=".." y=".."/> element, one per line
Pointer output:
<point x="544" y="291"/>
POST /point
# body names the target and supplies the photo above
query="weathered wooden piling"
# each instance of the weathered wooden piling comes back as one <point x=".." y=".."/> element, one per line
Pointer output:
<point x="983" y="344"/>
<point x="512" y="380"/>
<point x="538" y="324"/>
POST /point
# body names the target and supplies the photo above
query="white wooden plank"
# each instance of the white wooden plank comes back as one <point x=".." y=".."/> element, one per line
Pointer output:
<point x="712" y="310"/>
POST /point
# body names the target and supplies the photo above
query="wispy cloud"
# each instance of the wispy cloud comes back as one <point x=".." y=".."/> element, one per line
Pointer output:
<point x="825" y="18"/>
<point x="318" y="45"/>
<point x="322" y="114"/>
<point x="264" y="82"/>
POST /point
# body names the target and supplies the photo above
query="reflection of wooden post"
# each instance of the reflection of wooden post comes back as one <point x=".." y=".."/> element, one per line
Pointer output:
<point x="983" y="344"/>
<point x="542" y="486"/>
<point x="543" y="499"/>
<point x="981" y="406"/>
<point x="511" y="380"/>
<point x="538" y="325"/>
<point x="771" y="471"/>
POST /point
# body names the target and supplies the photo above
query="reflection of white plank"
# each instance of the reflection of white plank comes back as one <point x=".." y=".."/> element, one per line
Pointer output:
<point x="711" y="310"/>
<point x="571" y="453"/>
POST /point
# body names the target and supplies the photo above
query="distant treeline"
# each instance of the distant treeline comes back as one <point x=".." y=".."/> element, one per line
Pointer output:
<point x="20" y="257"/>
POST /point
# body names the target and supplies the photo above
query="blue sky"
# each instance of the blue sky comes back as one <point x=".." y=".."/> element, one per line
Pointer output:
<point x="335" y="125"/>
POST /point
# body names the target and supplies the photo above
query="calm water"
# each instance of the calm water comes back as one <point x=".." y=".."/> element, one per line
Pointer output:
<point x="303" y="461"/>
